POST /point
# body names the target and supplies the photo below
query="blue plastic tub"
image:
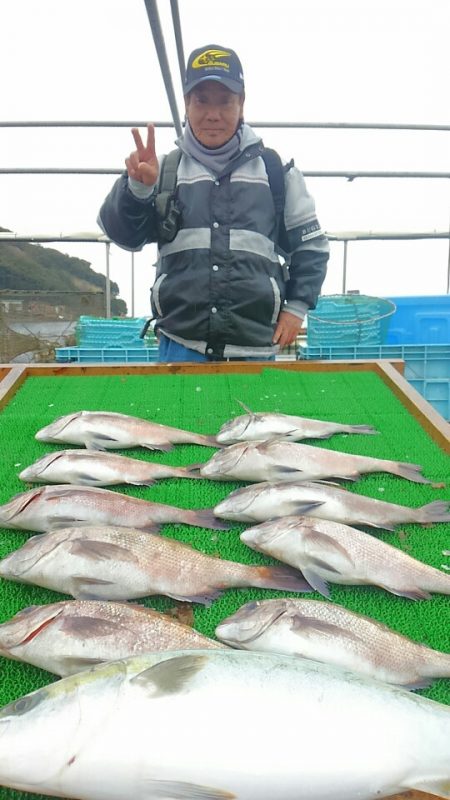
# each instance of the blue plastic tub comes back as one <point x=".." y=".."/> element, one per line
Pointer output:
<point x="420" y="320"/>
<point x="349" y="319"/>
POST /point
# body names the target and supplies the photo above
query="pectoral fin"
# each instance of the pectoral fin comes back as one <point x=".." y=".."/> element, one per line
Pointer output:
<point x="317" y="583"/>
<point x="169" y="677"/>
<point x="85" y="588"/>
<point x="99" y="441"/>
<point x="88" y="627"/>
<point x="177" y="790"/>
<point x="101" y="551"/>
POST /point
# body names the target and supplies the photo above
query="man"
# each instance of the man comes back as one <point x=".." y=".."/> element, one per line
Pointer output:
<point x="220" y="291"/>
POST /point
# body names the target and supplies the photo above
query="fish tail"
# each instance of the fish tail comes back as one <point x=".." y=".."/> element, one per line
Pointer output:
<point x="283" y="578"/>
<point x="362" y="429"/>
<point x="412" y="472"/>
<point x="205" y="518"/>
<point x="437" y="511"/>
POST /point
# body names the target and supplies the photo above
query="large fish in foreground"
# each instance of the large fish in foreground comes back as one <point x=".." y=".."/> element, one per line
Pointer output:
<point x="51" y="507"/>
<point x="71" y="636"/>
<point x="330" y="633"/>
<point x="265" y="425"/>
<point x="93" y="468"/>
<point x="123" y="564"/>
<point x="263" y="501"/>
<point x="107" y="430"/>
<point x="330" y="552"/>
<point x="223" y="724"/>
<point x="288" y="461"/>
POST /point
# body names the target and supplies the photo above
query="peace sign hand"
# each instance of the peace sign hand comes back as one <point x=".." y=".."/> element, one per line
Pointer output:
<point x="142" y="164"/>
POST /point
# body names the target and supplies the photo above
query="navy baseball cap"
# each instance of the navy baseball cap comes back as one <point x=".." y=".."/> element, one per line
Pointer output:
<point x="214" y="63"/>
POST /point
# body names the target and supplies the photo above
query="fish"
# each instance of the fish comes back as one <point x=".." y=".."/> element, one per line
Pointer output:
<point x="223" y="725"/>
<point x="330" y="552"/>
<point x="265" y="425"/>
<point x="106" y="563"/>
<point x="263" y="501"/>
<point x="50" y="507"/>
<point x="73" y="635"/>
<point x="108" y="430"/>
<point x="94" y="468"/>
<point x="331" y="634"/>
<point x="278" y="460"/>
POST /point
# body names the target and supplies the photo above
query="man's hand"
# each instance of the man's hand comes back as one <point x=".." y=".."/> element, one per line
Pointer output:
<point x="142" y="164"/>
<point x="287" y="330"/>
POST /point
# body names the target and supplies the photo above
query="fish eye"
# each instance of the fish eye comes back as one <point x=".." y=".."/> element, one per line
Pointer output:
<point x="23" y="705"/>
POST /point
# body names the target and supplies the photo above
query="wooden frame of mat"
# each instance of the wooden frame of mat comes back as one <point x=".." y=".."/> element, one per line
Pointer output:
<point x="390" y="372"/>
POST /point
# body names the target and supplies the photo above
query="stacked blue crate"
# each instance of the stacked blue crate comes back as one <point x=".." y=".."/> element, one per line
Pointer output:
<point x="110" y="340"/>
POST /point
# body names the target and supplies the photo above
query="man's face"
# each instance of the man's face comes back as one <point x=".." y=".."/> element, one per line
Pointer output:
<point x="213" y="113"/>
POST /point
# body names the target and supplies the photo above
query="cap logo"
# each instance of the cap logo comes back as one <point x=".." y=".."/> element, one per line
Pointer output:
<point x="211" y="58"/>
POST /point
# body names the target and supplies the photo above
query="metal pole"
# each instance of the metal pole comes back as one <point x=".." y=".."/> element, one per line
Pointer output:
<point x="132" y="284"/>
<point x="107" y="283"/>
<point x="448" y="263"/>
<point x="344" y="268"/>
<point x="178" y="37"/>
<point x="153" y="17"/>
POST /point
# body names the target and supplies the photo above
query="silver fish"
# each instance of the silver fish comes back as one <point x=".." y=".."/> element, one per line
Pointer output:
<point x="71" y="636"/>
<point x="107" y="430"/>
<point x="223" y="724"/>
<point x="92" y="468"/>
<point x="263" y="501"/>
<point x="59" y="506"/>
<point x="99" y="563"/>
<point x="287" y="461"/>
<point x="264" y="425"/>
<point x="331" y="634"/>
<point x="327" y="551"/>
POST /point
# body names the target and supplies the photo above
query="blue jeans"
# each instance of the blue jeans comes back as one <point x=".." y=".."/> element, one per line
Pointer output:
<point x="172" y="351"/>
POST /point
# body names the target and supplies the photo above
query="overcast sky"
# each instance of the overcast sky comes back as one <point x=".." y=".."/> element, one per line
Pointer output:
<point x="383" y="61"/>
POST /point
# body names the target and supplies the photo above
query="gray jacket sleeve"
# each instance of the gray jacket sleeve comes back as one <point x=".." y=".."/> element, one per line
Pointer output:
<point x="128" y="220"/>
<point x="307" y="245"/>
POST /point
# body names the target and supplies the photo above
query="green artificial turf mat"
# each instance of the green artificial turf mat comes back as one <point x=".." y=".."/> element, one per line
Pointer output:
<point x="202" y="403"/>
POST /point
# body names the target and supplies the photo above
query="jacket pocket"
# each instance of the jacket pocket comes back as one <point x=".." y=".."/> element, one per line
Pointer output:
<point x="156" y="297"/>
<point x="276" y="300"/>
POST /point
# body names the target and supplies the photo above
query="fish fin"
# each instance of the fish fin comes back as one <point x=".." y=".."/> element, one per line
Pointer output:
<point x="179" y="790"/>
<point x="363" y="429"/>
<point x="322" y="540"/>
<point x="437" y="511"/>
<point x="282" y="578"/>
<point x="422" y="683"/>
<point x="306" y="506"/>
<point x="205" y="518"/>
<point x="77" y="664"/>
<point x="414" y="593"/>
<point x="148" y="482"/>
<point x="166" y="447"/>
<point x="98" y="441"/>
<point x="305" y="624"/>
<point x="88" y="627"/>
<point x="246" y="408"/>
<point x="205" y="599"/>
<point x="53" y="523"/>
<point x="84" y="588"/>
<point x="412" y="472"/>
<point x="279" y="472"/>
<point x="317" y="583"/>
<point x="171" y="676"/>
<point x="195" y="468"/>
<point x="87" y="480"/>
<point x="100" y="551"/>
<point x="439" y="787"/>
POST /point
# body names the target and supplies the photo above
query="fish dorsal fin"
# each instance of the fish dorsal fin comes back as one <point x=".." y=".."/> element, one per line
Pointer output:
<point x="171" y="676"/>
<point x="248" y="410"/>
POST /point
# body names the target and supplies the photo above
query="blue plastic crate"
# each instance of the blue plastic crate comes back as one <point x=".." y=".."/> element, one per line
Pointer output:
<point x="349" y="319"/>
<point x="115" y="332"/>
<point x="421" y="320"/>
<point x="427" y="366"/>
<point x="107" y="355"/>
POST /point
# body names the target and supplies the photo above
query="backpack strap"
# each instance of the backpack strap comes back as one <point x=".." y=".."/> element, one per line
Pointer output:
<point x="167" y="213"/>
<point x="275" y="173"/>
